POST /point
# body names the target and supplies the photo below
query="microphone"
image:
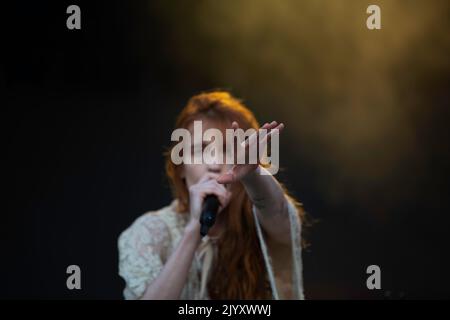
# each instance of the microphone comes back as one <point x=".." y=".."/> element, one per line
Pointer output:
<point x="209" y="212"/>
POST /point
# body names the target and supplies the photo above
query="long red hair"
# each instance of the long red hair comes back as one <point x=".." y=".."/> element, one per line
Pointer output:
<point x="239" y="270"/>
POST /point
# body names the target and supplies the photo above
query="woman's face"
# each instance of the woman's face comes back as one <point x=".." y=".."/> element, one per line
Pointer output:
<point x="192" y="173"/>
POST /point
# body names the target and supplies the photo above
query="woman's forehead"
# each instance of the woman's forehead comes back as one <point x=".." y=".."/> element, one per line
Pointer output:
<point x="208" y="123"/>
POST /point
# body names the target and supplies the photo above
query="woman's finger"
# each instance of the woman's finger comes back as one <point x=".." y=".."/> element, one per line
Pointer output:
<point x="208" y="176"/>
<point x="268" y="136"/>
<point x="258" y="136"/>
<point x="222" y="196"/>
<point x="216" y="184"/>
<point x="212" y="184"/>
<point x="226" y="178"/>
<point x="273" y="124"/>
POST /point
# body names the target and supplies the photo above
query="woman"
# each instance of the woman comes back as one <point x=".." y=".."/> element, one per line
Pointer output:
<point x="253" y="250"/>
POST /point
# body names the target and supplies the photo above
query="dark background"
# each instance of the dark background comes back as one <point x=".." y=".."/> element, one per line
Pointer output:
<point x="88" y="113"/>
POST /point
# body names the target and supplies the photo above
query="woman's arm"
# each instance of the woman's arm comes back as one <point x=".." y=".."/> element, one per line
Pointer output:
<point x="264" y="191"/>
<point x="173" y="276"/>
<point x="271" y="204"/>
<point x="170" y="282"/>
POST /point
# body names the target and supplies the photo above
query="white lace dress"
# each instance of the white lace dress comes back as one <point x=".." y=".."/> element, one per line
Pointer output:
<point x="146" y="245"/>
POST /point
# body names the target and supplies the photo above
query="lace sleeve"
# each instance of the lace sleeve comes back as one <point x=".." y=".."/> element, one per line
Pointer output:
<point x="142" y="250"/>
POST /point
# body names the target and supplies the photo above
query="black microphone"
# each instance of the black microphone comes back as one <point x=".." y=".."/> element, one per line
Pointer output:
<point x="209" y="212"/>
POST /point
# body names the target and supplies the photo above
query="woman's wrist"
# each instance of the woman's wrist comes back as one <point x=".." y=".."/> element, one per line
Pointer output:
<point x="252" y="176"/>
<point x="192" y="231"/>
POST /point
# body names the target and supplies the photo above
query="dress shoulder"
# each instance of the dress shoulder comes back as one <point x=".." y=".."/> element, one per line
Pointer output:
<point x="144" y="247"/>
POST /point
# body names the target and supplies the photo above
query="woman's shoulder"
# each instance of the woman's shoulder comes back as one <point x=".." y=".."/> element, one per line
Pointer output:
<point x="162" y="223"/>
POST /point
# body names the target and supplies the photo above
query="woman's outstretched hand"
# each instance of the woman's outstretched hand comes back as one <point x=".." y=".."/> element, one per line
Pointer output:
<point x="240" y="171"/>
